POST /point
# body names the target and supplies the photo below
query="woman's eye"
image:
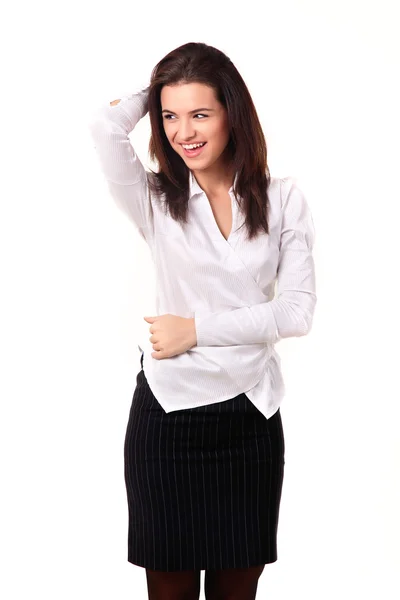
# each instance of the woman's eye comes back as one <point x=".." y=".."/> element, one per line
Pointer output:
<point x="169" y="117"/>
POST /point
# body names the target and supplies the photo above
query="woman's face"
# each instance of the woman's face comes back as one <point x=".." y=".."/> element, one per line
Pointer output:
<point x="192" y="114"/>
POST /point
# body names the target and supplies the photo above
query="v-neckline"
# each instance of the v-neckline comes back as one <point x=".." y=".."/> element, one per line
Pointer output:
<point x="218" y="236"/>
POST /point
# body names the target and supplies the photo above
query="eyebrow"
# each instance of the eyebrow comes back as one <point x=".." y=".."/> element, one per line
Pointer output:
<point x="191" y="112"/>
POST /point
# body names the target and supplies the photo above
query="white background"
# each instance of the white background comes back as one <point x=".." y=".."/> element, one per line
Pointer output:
<point x="76" y="282"/>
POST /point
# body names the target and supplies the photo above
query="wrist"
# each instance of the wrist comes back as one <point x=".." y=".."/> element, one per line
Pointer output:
<point x="193" y="331"/>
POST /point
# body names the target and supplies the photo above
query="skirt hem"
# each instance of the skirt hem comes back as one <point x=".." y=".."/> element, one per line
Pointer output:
<point x="144" y="565"/>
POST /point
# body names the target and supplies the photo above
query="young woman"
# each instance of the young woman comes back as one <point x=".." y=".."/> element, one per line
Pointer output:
<point x="204" y="447"/>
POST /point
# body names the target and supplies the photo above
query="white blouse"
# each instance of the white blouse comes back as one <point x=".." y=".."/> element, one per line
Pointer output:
<point x="226" y="285"/>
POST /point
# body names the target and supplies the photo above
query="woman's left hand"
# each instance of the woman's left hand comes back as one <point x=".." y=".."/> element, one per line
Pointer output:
<point x="171" y="335"/>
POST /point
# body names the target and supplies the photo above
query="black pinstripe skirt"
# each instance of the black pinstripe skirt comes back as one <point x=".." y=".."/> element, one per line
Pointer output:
<point x="203" y="485"/>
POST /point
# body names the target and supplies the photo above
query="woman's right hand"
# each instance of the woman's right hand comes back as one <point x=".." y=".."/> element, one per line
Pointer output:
<point x="145" y="89"/>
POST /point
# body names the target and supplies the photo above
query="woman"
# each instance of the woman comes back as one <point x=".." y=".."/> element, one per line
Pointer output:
<point x="204" y="446"/>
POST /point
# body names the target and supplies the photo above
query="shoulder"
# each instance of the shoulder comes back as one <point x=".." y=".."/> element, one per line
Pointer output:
<point x="279" y="188"/>
<point x="282" y="189"/>
<point x="282" y="183"/>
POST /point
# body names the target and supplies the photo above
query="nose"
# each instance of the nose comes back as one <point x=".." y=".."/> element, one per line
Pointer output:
<point x="186" y="131"/>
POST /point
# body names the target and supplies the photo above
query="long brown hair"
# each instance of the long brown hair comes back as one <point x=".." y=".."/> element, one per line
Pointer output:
<point x="247" y="149"/>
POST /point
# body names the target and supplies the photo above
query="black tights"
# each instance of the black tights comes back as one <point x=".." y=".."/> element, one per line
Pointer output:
<point x="224" y="584"/>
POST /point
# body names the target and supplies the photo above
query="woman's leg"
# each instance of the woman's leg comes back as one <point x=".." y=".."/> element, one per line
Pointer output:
<point x="173" y="585"/>
<point x="235" y="584"/>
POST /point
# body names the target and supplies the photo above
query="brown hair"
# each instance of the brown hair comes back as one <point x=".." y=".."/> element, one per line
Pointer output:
<point x="200" y="63"/>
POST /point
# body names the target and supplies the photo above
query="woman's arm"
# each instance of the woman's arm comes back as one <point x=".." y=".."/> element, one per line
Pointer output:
<point x="290" y="313"/>
<point x="124" y="172"/>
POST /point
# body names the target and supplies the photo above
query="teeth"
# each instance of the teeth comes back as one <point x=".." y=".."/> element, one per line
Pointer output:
<point x="192" y="146"/>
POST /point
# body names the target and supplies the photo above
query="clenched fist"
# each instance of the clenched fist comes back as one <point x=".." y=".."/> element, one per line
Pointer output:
<point x="171" y="335"/>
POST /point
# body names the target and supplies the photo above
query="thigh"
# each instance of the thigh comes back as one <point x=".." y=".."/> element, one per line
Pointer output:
<point x="173" y="585"/>
<point x="235" y="584"/>
<point x="276" y="434"/>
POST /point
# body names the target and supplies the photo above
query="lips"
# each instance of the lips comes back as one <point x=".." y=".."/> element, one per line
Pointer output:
<point x="195" y="151"/>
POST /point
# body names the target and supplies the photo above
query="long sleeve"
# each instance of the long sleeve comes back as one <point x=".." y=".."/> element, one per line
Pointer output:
<point x="126" y="177"/>
<point x="290" y="313"/>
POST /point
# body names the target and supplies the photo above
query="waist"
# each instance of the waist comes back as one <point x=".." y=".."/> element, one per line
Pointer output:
<point x="244" y="365"/>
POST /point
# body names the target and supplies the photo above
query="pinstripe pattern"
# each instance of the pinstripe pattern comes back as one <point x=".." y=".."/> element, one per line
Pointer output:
<point x="203" y="484"/>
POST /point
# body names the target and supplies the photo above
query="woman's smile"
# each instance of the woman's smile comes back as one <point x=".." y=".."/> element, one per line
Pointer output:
<point x="191" y="152"/>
